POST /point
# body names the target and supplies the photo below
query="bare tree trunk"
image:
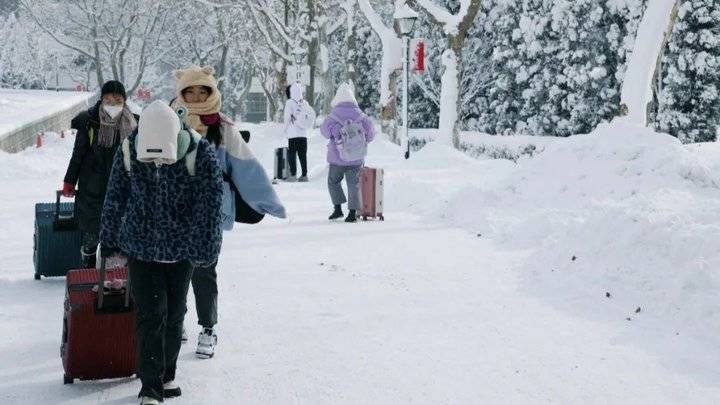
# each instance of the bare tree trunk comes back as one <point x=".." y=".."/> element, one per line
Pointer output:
<point x="654" y="107"/>
<point x="456" y="43"/>
<point x="98" y="63"/>
<point x="312" y="52"/>
<point x="451" y="80"/>
<point x="388" y="115"/>
<point x="351" y="57"/>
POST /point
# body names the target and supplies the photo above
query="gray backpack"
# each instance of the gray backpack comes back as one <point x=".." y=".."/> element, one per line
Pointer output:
<point x="352" y="144"/>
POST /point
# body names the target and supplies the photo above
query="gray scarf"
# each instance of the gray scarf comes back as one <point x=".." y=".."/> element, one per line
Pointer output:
<point x="110" y="128"/>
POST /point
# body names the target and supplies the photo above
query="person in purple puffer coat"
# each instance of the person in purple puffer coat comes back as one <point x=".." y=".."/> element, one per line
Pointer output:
<point x="345" y="111"/>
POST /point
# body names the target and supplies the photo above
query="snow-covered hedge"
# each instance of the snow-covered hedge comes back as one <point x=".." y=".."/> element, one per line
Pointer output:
<point x="484" y="146"/>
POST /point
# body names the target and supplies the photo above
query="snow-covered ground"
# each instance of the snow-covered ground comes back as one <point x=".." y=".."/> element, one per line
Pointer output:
<point x="486" y="284"/>
<point x="21" y="107"/>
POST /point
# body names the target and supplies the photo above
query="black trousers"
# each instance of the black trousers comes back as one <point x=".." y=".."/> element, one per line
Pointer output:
<point x="89" y="248"/>
<point x="204" y="283"/>
<point x="297" y="146"/>
<point x="159" y="291"/>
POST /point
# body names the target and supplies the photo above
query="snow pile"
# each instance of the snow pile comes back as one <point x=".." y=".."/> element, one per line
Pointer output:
<point x="623" y="212"/>
<point x="38" y="163"/>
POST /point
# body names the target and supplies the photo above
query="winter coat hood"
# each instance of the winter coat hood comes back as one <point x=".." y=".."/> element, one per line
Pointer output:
<point x="344" y="94"/>
<point x="198" y="76"/>
<point x="159" y="135"/>
<point x="195" y="76"/>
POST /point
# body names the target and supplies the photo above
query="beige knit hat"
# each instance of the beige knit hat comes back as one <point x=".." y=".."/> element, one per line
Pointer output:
<point x="198" y="76"/>
<point x="195" y="76"/>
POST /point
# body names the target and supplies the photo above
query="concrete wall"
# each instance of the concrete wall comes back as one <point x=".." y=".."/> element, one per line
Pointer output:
<point x="26" y="135"/>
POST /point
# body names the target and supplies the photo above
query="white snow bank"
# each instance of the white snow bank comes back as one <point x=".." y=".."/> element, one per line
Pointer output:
<point x="38" y="163"/>
<point x="623" y="211"/>
<point x="22" y="107"/>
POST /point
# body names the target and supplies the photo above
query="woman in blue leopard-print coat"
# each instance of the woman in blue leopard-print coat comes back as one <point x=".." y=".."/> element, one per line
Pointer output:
<point x="166" y="218"/>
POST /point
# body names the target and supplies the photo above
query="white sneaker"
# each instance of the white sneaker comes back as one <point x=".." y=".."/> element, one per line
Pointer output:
<point x="291" y="179"/>
<point x="149" y="401"/>
<point x="206" y="344"/>
<point x="171" y="390"/>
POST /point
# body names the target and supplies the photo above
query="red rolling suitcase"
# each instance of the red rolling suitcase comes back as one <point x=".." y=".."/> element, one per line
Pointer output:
<point x="372" y="193"/>
<point x="98" y="339"/>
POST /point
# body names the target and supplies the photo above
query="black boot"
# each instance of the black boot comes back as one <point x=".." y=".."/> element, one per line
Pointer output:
<point x="337" y="212"/>
<point x="351" y="216"/>
<point x="88" y="260"/>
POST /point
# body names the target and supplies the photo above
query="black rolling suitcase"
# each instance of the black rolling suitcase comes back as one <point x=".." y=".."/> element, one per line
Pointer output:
<point x="282" y="164"/>
<point x="57" y="240"/>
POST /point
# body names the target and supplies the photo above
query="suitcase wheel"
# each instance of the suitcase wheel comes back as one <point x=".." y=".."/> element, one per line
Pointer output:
<point x="67" y="379"/>
<point x="37" y="276"/>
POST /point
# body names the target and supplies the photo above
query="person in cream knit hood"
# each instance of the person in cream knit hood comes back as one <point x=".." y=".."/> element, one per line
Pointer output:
<point x="166" y="218"/>
<point x="196" y="89"/>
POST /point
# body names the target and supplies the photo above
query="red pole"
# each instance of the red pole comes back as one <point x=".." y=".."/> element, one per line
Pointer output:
<point x="39" y="140"/>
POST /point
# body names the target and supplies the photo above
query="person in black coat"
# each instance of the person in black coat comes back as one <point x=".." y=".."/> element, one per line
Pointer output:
<point x="100" y="130"/>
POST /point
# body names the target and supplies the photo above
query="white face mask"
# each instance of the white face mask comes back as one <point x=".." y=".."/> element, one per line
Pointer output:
<point x="113" y="110"/>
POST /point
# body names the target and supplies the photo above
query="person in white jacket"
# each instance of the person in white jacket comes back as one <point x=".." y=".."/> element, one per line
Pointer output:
<point x="299" y="119"/>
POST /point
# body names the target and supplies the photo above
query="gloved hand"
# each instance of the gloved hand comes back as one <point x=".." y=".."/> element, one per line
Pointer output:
<point x="68" y="190"/>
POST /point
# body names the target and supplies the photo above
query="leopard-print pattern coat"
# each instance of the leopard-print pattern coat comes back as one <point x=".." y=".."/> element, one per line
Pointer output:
<point x="163" y="214"/>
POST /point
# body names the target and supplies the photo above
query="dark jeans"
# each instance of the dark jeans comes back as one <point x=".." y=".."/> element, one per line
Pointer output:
<point x="297" y="146"/>
<point x="159" y="291"/>
<point x="204" y="282"/>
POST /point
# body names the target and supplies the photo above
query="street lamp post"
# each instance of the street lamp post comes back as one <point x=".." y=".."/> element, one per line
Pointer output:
<point x="405" y="18"/>
<point x="57" y="74"/>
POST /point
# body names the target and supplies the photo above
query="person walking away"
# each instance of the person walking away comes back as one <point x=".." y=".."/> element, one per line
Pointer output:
<point x="348" y="131"/>
<point x="162" y="211"/>
<point x="299" y="118"/>
<point x="100" y="130"/>
<point x="196" y="90"/>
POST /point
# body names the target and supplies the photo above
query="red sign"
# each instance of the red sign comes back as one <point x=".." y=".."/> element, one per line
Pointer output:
<point x="144" y="93"/>
<point x="417" y="49"/>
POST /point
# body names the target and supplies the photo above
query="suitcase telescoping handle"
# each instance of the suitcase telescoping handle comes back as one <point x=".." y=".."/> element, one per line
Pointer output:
<point x="101" y="286"/>
<point x="58" y="194"/>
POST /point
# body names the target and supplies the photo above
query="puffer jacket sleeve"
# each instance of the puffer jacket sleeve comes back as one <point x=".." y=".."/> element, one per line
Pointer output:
<point x="249" y="177"/>
<point x="287" y="116"/>
<point x="80" y="148"/>
<point x="116" y="198"/>
<point x="330" y="128"/>
<point x="207" y="208"/>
